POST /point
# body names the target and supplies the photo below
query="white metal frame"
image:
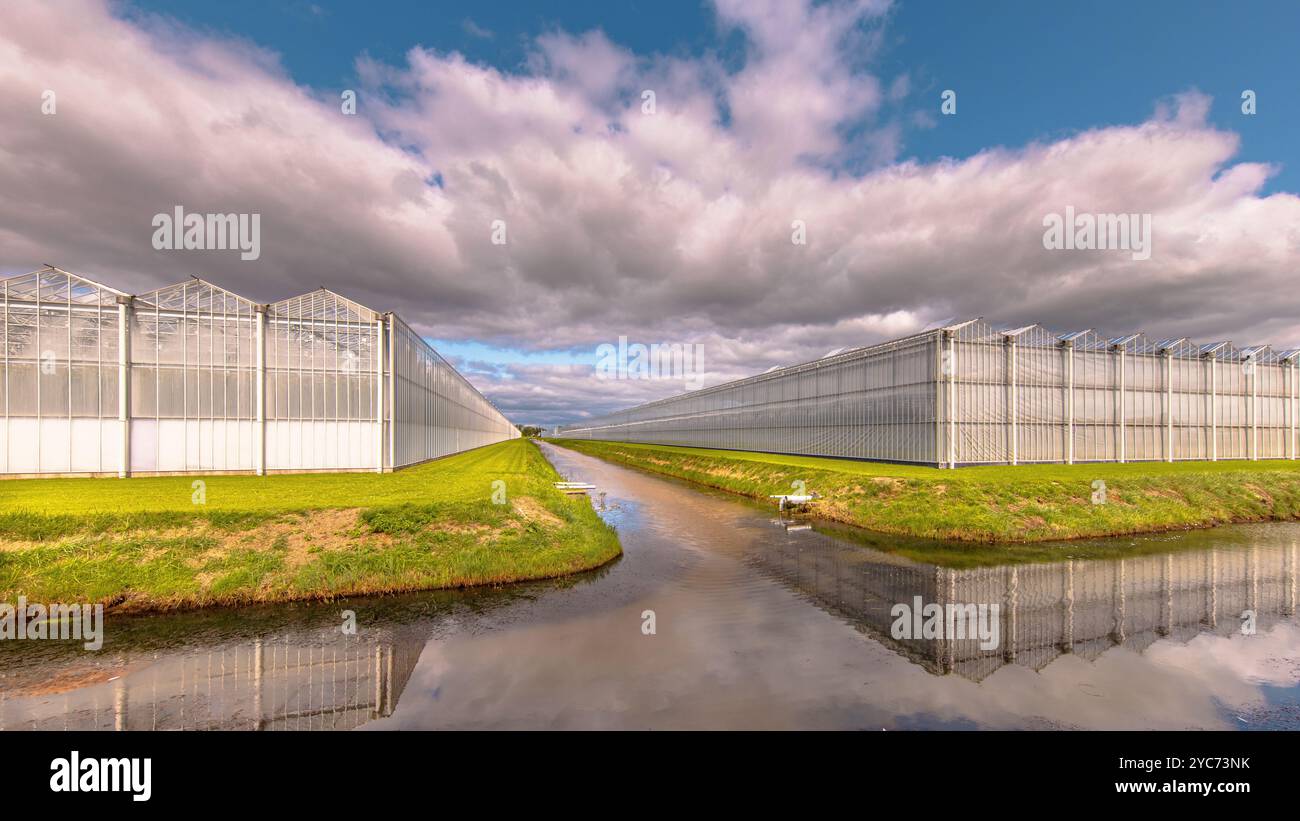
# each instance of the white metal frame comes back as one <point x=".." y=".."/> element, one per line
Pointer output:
<point x="207" y="380"/>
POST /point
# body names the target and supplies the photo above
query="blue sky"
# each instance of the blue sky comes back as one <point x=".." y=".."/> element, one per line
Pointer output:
<point x="1024" y="71"/>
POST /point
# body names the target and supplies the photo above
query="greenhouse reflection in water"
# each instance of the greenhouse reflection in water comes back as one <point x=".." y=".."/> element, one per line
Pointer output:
<point x="315" y="677"/>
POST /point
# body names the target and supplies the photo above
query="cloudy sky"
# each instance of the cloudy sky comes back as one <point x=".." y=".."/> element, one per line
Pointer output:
<point x="673" y="224"/>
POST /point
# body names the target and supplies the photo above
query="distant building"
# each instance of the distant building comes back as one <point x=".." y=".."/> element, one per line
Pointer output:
<point x="972" y="393"/>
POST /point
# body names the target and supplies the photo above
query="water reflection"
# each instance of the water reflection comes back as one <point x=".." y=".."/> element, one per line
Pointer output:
<point x="307" y="679"/>
<point x="1046" y="609"/>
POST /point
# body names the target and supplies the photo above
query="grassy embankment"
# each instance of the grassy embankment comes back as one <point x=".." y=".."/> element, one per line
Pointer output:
<point x="144" y="544"/>
<point x="1022" y="503"/>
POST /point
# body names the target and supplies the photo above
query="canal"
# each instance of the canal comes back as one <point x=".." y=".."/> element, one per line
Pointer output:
<point x="720" y="615"/>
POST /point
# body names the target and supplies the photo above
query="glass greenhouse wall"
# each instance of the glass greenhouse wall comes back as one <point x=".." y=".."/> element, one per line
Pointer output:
<point x="325" y="372"/>
<point x="972" y="393"/>
<point x="870" y="403"/>
<point x="438" y="410"/>
<point x="194" y="378"/>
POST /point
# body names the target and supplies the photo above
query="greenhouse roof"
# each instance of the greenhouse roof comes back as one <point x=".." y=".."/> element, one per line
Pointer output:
<point x="51" y="284"/>
<point x="56" y="286"/>
<point x="323" y="303"/>
<point x="197" y="295"/>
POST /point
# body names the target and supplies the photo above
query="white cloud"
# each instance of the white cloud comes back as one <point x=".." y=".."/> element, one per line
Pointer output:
<point x="475" y="30"/>
<point x="666" y="227"/>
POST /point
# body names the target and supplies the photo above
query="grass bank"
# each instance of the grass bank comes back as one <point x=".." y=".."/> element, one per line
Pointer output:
<point x="1023" y="503"/>
<point x="153" y="544"/>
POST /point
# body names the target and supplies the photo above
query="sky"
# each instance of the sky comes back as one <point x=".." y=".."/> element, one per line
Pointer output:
<point x="673" y="224"/>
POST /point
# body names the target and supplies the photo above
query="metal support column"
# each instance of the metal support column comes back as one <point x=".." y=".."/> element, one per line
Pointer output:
<point x="1253" y="375"/>
<point x="1068" y="349"/>
<point x="392" y="391"/>
<point x="1123" y="438"/>
<point x="938" y="400"/>
<point x="124" y="384"/>
<point x="1169" y="407"/>
<point x="379" y="396"/>
<point x="259" y="409"/>
<point x="1291" y="404"/>
<point x="952" y="401"/>
<point x="1014" y="404"/>
<point x="1214" y="409"/>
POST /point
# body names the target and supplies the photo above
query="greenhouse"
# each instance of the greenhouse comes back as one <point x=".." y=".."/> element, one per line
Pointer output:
<point x="194" y="378"/>
<point x="972" y="393"/>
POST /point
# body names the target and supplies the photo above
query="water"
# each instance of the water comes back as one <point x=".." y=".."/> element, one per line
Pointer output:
<point x="755" y="626"/>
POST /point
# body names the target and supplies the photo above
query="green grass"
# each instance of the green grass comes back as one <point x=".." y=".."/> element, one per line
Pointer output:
<point x="144" y="544"/>
<point x="967" y="554"/>
<point x="1022" y="503"/>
